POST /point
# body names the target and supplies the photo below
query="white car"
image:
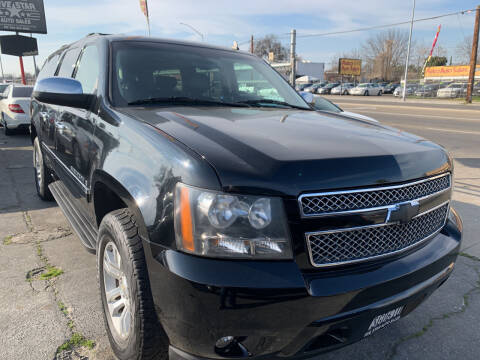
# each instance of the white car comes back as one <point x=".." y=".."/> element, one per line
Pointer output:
<point x="452" y="91"/>
<point x="15" y="107"/>
<point x="366" y="89"/>
<point x="342" y="89"/>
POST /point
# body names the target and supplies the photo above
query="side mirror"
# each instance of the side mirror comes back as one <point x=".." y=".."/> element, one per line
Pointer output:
<point x="63" y="92"/>
<point x="308" y="97"/>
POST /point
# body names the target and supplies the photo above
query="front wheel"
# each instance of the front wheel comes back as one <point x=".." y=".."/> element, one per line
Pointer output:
<point x="42" y="175"/>
<point x="365" y="93"/>
<point x="380" y="93"/>
<point x="132" y="325"/>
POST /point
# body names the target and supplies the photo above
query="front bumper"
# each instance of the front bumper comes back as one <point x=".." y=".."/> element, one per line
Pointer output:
<point x="277" y="311"/>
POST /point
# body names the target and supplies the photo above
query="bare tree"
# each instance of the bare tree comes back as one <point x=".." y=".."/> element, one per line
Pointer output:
<point x="268" y="44"/>
<point x="385" y="54"/>
<point x="464" y="50"/>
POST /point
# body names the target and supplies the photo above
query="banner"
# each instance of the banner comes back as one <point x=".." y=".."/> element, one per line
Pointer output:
<point x="349" y="67"/>
<point x="433" y="47"/>
<point x="456" y="71"/>
<point x="144" y="7"/>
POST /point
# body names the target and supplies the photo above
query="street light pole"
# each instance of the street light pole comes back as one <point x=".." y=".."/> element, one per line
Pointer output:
<point x="195" y="30"/>
<point x="408" y="53"/>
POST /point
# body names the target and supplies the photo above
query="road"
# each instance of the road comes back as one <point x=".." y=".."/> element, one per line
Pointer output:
<point x="47" y="314"/>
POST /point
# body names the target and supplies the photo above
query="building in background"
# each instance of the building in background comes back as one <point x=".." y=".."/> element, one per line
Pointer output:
<point x="304" y="68"/>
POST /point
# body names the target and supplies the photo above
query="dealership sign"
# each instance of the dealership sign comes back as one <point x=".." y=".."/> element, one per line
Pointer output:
<point x="350" y="67"/>
<point x="450" y="72"/>
<point x="23" y="16"/>
<point x="18" y="45"/>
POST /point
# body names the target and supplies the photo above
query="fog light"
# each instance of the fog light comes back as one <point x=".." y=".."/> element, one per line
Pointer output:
<point x="224" y="342"/>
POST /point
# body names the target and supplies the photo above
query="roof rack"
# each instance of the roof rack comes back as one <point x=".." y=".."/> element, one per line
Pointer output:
<point x="101" y="34"/>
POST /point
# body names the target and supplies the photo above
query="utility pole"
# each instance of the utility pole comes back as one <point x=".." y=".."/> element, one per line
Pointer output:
<point x="473" y="57"/>
<point x="1" y="66"/>
<point x="293" y="62"/>
<point x="251" y="44"/>
<point x="408" y="53"/>
<point x="34" y="63"/>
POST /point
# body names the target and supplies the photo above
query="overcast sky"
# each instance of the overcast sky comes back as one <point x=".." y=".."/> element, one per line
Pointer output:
<point x="223" y="21"/>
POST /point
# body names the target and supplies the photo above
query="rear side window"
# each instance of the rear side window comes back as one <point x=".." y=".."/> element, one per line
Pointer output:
<point x="49" y="67"/>
<point x="68" y="63"/>
<point x="88" y="69"/>
<point x="20" y="92"/>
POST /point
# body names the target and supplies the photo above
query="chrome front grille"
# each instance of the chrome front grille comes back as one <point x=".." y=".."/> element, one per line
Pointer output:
<point x="320" y="204"/>
<point x="337" y="247"/>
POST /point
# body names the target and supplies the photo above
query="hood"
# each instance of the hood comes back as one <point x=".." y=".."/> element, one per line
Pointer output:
<point x="287" y="152"/>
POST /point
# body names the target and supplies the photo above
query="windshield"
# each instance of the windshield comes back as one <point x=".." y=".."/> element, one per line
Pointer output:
<point x="22" y="92"/>
<point x="362" y="85"/>
<point x="170" y="72"/>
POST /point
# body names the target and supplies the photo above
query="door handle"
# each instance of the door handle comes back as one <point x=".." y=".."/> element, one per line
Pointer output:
<point x="43" y="116"/>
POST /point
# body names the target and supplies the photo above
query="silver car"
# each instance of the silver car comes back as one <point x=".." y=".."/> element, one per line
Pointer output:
<point x="453" y="91"/>
<point x="343" y="89"/>
<point x="366" y="89"/>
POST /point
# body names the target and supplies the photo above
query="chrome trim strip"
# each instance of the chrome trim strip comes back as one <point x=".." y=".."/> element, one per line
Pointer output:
<point x="367" y="210"/>
<point x="57" y="159"/>
<point x="375" y="257"/>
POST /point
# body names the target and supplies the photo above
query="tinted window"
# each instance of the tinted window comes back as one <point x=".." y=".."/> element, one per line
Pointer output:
<point x="68" y="63"/>
<point x="325" y="105"/>
<point x="49" y="67"/>
<point x="3" y="87"/>
<point x="24" y="91"/>
<point x="148" y="70"/>
<point x="88" y="68"/>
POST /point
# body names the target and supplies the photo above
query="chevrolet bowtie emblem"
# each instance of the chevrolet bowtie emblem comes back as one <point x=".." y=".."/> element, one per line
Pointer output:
<point x="402" y="213"/>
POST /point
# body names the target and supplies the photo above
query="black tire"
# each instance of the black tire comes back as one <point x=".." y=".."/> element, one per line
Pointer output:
<point x="146" y="338"/>
<point x="380" y="93"/>
<point x="6" y="130"/>
<point x="45" y="178"/>
<point x="366" y="93"/>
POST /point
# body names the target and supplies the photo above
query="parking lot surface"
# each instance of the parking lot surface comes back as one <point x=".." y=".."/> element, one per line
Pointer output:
<point x="49" y="302"/>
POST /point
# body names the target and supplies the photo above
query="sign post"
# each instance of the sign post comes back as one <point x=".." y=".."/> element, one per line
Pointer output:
<point x="22" y="71"/>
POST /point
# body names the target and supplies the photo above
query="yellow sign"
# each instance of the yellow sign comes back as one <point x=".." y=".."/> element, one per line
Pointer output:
<point x="450" y="71"/>
<point x="271" y="56"/>
<point x="349" y="67"/>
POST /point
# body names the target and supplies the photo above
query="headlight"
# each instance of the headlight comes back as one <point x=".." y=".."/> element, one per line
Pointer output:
<point x="215" y="224"/>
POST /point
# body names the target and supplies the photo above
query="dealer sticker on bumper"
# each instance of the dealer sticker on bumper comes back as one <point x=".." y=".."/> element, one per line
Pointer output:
<point x="380" y="321"/>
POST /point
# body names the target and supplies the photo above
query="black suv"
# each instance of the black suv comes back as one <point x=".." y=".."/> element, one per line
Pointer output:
<point x="229" y="219"/>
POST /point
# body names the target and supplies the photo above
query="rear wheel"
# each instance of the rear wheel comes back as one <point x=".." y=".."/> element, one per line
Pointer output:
<point x="365" y="93"/>
<point x="6" y="130"/>
<point x="380" y="93"/>
<point x="42" y="175"/>
<point x="132" y="325"/>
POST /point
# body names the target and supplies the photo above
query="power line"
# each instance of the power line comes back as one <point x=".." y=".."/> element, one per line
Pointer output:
<point x="462" y="12"/>
<point x="386" y="25"/>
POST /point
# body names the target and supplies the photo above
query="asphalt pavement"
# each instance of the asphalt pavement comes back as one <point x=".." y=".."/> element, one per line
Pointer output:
<point x="49" y="302"/>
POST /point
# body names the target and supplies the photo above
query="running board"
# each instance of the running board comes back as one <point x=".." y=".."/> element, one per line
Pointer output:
<point x="84" y="229"/>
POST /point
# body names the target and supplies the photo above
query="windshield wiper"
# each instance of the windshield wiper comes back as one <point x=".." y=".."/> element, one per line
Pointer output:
<point x="184" y="100"/>
<point x="259" y="102"/>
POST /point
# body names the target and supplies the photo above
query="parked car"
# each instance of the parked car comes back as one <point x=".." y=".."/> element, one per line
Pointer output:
<point x="429" y="90"/>
<point x="327" y="88"/>
<point x="452" y="91"/>
<point x="15" y="107"/>
<point x="300" y="87"/>
<point x="390" y="88"/>
<point x="366" y="89"/>
<point x="342" y="89"/>
<point x="314" y="87"/>
<point x="319" y="103"/>
<point x="228" y="224"/>
<point x="409" y="91"/>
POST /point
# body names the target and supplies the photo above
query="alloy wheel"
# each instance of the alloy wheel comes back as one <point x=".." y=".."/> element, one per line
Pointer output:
<point x="117" y="292"/>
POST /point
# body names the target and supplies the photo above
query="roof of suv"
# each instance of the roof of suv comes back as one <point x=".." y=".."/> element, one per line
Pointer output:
<point x="121" y="37"/>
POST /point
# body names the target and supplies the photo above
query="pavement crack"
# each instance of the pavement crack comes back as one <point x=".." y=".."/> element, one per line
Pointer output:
<point x="464" y="306"/>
